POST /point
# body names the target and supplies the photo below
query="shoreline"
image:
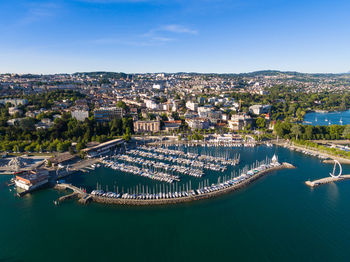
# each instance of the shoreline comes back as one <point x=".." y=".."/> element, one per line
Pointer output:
<point x="313" y="151"/>
<point x="167" y="201"/>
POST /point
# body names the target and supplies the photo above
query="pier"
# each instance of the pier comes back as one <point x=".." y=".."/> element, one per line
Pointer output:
<point x="326" y="180"/>
<point x="77" y="193"/>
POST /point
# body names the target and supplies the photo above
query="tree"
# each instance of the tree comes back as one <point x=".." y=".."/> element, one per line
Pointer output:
<point x="261" y="122"/>
<point x="297" y="131"/>
<point x="122" y="104"/>
<point x="79" y="146"/>
<point x="346" y="132"/>
<point x="127" y="135"/>
<point x="308" y="132"/>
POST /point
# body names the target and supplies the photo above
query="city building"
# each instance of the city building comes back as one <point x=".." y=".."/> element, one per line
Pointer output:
<point x="105" y="114"/>
<point x="14" y="101"/>
<point x="80" y="114"/>
<point x="32" y="180"/>
<point x="197" y="123"/>
<point x="102" y="148"/>
<point x="191" y="105"/>
<point x="239" y="121"/>
<point x="172" y="125"/>
<point x="150" y="126"/>
<point x="14" y="110"/>
<point x="259" y="109"/>
<point x="150" y="104"/>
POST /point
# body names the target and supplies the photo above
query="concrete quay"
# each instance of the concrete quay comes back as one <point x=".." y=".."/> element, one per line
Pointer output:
<point x="77" y="193"/>
<point x="326" y="180"/>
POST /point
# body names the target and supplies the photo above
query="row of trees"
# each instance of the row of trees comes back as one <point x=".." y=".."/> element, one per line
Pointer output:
<point x="65" y="130"/>
<point x="289" y="130"/>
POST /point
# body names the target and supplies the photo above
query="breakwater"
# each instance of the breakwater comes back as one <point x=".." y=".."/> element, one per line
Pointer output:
<point x="326" y="180"/>
<point x="167" y="201"/>
<point x="77" y="193"/>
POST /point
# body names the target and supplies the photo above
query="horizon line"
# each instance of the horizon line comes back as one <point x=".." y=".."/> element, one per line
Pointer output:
<point x="178" y="72"/>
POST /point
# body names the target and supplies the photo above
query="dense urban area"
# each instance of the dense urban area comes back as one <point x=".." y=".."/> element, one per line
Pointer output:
<point x="69" y="112"/>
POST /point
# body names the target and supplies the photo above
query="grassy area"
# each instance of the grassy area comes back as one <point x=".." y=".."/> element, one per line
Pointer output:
<point x="322" y="148"/>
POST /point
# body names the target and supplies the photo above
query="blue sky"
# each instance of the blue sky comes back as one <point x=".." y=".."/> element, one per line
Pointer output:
<point x="175" y="35"/>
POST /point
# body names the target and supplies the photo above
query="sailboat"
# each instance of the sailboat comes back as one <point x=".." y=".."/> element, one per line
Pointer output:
<point x="316" y="119"/>
<point x="336" y="162"/>
<point x="341" y="121"/>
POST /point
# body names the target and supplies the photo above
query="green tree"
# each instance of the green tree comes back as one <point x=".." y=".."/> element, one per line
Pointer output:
<point x="346" y="132"/>
<point x="261" y="122"/>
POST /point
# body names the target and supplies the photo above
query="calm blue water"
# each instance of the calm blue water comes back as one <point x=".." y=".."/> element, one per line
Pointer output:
<point x="331" y="118"/>
<point x="277" y="218"/>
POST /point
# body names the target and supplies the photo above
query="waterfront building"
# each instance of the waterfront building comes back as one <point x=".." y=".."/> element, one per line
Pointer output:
<point x="102" y="148"/>
<point x="62" y="159"/>
<point x="32" y="179"/>
<point x="105" y="114"/>
<point x="147" y="126"/>
<point x="172" y="125"/>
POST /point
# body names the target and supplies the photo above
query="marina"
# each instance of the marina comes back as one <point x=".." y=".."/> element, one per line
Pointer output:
<point x="172" y="193"/>
<point x="229" y="217"/>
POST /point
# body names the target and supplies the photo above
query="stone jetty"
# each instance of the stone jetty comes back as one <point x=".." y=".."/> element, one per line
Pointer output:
<point x="326" y="180"/>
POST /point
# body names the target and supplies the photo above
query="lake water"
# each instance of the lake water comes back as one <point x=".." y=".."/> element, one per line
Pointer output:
<point x="325" y="119"/>
<point x="277" y="218"/>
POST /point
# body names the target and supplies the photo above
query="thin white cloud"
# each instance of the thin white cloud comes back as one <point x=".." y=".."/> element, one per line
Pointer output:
<point x="170" y="29"/>
<point x="178" y="29"/>
<point x="155" y="37"/>
<point x="38" y="11"/>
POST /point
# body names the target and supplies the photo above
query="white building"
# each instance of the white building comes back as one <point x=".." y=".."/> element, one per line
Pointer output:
<point x="158" y="86"/>
<point x="191" y="105"/>
<point x="150" y="104"/>
<point x="259" y="109"/>
<point x="80" y="114"/>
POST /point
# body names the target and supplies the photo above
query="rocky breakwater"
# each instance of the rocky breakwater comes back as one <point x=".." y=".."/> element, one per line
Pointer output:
<point x="203" y="193"/>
